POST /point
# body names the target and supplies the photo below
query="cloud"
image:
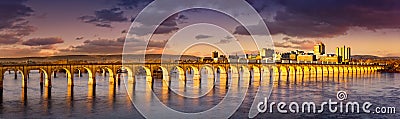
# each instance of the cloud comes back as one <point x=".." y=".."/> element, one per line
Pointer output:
<point x="223" y="41"/>
<point x="157" y="43"/>
<point x="8" y="39"/>
<point x="112" y="46"/>
<point x="43" y="41"/>
<point x="165" y="29"/>
<point x="13" y="11"/>
<point x="129" y="4"/>
<point x="170" y="24"/>
<point x="202" y="36"/>
<point x="167" y="26"/>
<point x="123" y="31"/>
<point x="25" y="52"/>
<point x="100" y="46"/>
<point x="48" y="47"/>
<point x="151" y="44"/>
<point x="259" y="29"/>
<point x="104" y="17"/>
<point x="228" y="37"/>
<point x="79" y="38"/>
<point x="295" y="44"/>
<point x="13" y="25"/>
<point x="325" y="18"/>
<point x="285" y="38"/>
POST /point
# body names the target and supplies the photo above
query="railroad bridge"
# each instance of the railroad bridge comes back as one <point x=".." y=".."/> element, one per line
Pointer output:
<point x="166" y="69"/>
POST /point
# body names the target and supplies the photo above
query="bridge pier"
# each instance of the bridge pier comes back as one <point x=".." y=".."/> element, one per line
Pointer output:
<point x="47" y="82"/>
<point x="24" y="90"/>
<point x="15" y="74"/>
<point x="79" y="73"/>
<point x="55" y="74"/>
<point x="24" y="95"/>
<point x="92" y="90"/>
<point x="70" y="93"/>
<point x="111" y="92"/>
<point x="41" y="81"/>
<point x="27" y="75"/>
<point x="70" y="97"/>
<point x="25" y="79"/>
<point x="119" y="79"/>
<point x="1" y="85"/>
<point x="47" y="93"/>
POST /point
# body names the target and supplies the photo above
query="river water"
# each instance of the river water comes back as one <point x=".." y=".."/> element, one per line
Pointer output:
<point x="109" y="101"/>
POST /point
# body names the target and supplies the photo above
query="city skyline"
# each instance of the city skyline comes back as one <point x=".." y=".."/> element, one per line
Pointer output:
<point x="48" y="28"/>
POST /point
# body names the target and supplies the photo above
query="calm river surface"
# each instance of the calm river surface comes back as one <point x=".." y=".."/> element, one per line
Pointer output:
<point x="107" y="101"/>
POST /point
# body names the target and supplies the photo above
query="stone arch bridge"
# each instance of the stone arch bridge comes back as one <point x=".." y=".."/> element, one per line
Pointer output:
<point x="166" y="69"/>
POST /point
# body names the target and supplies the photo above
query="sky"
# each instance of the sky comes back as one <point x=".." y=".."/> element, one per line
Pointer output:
<point x="79" y="27"/>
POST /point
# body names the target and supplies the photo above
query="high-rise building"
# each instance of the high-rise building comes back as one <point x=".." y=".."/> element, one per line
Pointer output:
<point x="344" y="52"/>
<point x="319" y="48"/>
<point x="266" y="53"/>
<point x="215" y="54"/>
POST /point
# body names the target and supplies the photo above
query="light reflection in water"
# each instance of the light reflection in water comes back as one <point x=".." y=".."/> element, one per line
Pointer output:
<point x="105" y="99"/>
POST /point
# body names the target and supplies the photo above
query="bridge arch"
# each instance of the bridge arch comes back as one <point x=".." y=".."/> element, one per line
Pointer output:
<point x="358" y="70"/>
<point x="130" y="73"/>
<point x="234" y="71"/>
<point x="68" y="73"/>
<point x="299" y="70"/>
<point x="23" y="78"/>
<point x="111" y="74"/>
<point x="320" y="70"/>
<point x="266" y="72"/>
<point x="255" y="71"/>
<point x="313" y="71"/>
<point x="292" y="70"/>
<point x="192" y="70"/>
<point x="340" y="69"/>
<point x="222" y="79"/>
<point x="208" y="70"/>
<point x="365" y="69"/>
<point x="46" y="76"/>
<point x="325" y="70"/>
<point x="144" y="70"/>
<point x="284" y="70"/>
<point x="91" y="76"/>
<point x="178" y="70"/>
<point x="164" y="71"/>
<point x="330" y="69"/>
<point x="275" y="70"/>
<point x="244" y="71"/>
<point x="335" y="69"/>
<point x="220" y="70"/>
<point x="306" y="70"/>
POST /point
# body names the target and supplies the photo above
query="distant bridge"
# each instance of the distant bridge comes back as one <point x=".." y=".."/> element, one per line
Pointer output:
<point x="166" y="69"/>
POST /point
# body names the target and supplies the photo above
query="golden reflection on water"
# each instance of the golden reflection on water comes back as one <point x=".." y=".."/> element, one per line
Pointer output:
<point x="222" y="84"/>
<point x="111" y="94"/>
<point x="164" y="92"/>
<point x="196" y="85"/>
<point x="70" y="96"/>
<point x="90" y="97"/>
<point x="24" y="95"/>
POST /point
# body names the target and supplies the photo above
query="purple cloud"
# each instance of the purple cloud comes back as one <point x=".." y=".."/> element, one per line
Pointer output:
<point x="43" y="41"/>
<point x="104" y="17"/>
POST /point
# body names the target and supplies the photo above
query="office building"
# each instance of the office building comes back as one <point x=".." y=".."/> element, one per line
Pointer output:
<point x="319" y="49"/>
<point x="215" y="54"/>
<point x="267" y="53"/>
<point x="303" y="58"/>
<point x="344" y="52"/>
